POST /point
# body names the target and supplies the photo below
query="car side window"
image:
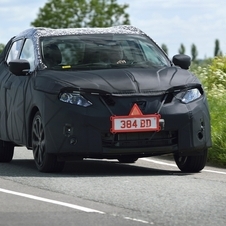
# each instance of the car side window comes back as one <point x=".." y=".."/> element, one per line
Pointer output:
<point x="14" y="51"/>
<point x="28" y="54"/>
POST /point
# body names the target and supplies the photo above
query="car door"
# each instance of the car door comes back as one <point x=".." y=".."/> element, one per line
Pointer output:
<point x="15" y="98"/>
<point x="13" y="51"/>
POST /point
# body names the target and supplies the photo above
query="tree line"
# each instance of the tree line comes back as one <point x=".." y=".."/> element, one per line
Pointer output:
<point x="93" y="13"/>
<point x="194" y="52"/>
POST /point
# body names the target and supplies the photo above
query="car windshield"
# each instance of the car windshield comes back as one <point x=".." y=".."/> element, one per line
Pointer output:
<point x="101" y="51"/>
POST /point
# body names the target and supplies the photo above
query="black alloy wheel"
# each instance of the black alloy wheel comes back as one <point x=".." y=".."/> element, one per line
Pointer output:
<point x="191" y="164"/>
<point x="44" y="161"/>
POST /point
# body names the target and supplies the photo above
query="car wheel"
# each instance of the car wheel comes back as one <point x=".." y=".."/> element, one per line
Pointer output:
<point x="127" y="160"/>
<point x="44" y="161"/>
<point x="6" y="151"/>
<point x="191" y="164"/>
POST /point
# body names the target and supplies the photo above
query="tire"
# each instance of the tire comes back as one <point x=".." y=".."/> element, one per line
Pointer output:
<point x="127" y="160"/>
<point x="44" y="161"/>
<point x="191" y="164"/>
<point x="6" y="151"/>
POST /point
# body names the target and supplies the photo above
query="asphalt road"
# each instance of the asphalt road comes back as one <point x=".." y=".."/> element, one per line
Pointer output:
<point x="94" y="192"/>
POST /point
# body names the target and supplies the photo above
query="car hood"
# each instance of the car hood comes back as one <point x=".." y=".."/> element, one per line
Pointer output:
<point x="116" y="81"/>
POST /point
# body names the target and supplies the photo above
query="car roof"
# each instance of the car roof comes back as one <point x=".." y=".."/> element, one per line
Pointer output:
<point x="43" y="32"/>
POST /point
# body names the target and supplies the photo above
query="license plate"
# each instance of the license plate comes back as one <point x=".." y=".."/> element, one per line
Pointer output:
<point x="135" y="123"/>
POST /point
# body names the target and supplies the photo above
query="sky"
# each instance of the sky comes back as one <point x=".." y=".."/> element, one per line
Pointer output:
<point x="169" y="22"/>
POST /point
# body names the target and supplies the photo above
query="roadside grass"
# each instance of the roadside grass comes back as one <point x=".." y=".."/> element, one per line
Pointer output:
<point x="217" y="153"/>
<point x="213" y="77"/>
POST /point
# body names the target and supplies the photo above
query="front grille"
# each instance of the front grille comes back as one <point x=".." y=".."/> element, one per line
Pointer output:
<point x="145" y="139"/>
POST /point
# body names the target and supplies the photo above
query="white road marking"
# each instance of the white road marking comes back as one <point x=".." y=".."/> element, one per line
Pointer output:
<point x="158" y="162"/>
<point x="138" y="220"/>
<point x="81" y="208"/>
<point x="174" y="165"/>
<point x="214" y="171"/>
<point x="88" y="210"/>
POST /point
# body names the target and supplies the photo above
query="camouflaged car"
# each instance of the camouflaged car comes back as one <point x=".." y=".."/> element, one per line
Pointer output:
<point x="103" y="93"/>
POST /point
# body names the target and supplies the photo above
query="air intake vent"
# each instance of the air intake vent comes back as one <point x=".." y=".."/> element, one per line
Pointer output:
<point x="108" y="100"/>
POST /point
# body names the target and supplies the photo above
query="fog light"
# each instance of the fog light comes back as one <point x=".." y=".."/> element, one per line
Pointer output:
<point x="200" y="135"/>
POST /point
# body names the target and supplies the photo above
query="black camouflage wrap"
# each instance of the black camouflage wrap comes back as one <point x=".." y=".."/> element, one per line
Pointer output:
<point x="186" y="127"/>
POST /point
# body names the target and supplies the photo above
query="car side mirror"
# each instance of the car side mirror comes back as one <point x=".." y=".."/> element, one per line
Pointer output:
<point x="19" y="67"/>
<point x="182" y="61"/>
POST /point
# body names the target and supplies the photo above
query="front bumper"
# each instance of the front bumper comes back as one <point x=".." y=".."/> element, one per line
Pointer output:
<point x="85" y="132"/>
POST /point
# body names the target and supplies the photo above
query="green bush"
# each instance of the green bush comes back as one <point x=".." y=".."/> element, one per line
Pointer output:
<point x="1" y="47"/>
<point x="213" y="78"/>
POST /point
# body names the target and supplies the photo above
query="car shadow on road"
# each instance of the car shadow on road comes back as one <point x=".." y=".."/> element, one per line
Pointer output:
<point x="85" y="168"/>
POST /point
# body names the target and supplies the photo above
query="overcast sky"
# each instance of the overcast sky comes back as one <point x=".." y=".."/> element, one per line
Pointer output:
<point x="171" y="22"/>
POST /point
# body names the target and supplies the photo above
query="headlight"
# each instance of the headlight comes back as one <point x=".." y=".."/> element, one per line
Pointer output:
<point x="74" y="98"/>
<point x="190" y="95"/>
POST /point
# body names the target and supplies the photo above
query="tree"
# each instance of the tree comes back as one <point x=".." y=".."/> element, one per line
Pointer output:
<point x="181" y="50"/>
<point x="165" y="49"/>
<point x="194" y="52"/>
<point x="1" y="47"/>
<point x="81" y="13"/>
<point x="217" y="51"/>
